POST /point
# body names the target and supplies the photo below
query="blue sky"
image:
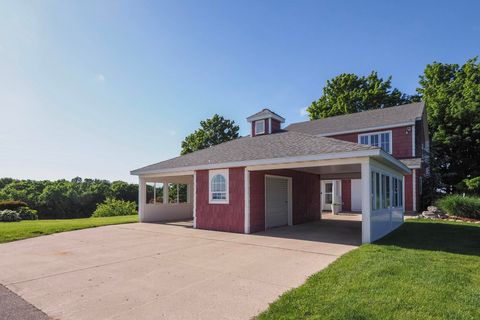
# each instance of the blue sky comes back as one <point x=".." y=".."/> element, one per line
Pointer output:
<point x="97" y="88"/>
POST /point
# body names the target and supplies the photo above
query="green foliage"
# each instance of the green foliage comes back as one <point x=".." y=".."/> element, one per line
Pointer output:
<point x="212" y="132"/>
<point x="473" y="184"/>
<point x="456" y="205"/>
<point x="452" y="96"/>
<point x="113" y="207"/>
<point x="9" y="216"/>
<point x="349" y="93"/>
<point x="11" y="204"/>
<point x="26" y="213"/>
<point x="63" y="199"/>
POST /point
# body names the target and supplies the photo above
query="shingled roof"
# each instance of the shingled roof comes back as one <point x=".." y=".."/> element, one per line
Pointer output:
<point x="278" y="145"/>
<point x="407" y="113"/>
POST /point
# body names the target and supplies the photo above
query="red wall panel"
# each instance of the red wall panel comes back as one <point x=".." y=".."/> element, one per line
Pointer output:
<point x="222" y="217"/>
<point x="401" y="140"/>
<point x="305" y="197"/>
<point x="347" y="195"/>
<point x="408" y="193"/>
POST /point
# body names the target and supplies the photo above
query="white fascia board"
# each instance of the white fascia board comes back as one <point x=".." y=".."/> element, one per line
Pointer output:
<point x="262" y="117"/>
<point x="286" y="160"/>
<point x="323" y="156"/>
<point x="369" y="129"/>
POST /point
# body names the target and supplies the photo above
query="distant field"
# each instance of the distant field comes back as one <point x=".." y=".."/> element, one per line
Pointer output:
<point x="11" y="231"/>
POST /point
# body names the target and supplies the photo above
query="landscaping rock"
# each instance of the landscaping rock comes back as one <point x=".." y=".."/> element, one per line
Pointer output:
<point x="434" y="209"/>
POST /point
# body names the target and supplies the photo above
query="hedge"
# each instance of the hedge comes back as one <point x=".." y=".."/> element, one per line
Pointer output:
<point x="457" y="205"/>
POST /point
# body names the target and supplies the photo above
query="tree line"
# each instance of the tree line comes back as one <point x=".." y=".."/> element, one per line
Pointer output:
<point x="62" y="199"/>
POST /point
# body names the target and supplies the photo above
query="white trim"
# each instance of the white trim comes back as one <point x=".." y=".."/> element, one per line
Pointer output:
<point x="413" y="141"/>
<point x="269" y="125"/>
<point x="414" y="191"/>
<point x="337" y="156"/>
<point x="195" y="199"/>
<point x="378" y="133"/>
<point x="290" y="197"/>
<point x="265" y="116"/>
<point x="225" y="174"/>
<point x="366" y="201"/>
<point x="405" y="124"/>
<point x="255" y="127"/>
<point x="246" y="178"/>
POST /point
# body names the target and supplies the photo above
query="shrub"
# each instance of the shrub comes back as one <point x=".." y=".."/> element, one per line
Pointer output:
<point x="473" y="185"/>
<point x="26" y="213"/>
<point x="9" y="216"/>
<point x="456" y="205"/>
<point x="114" y="207"/>
<point x="11" y="205"/>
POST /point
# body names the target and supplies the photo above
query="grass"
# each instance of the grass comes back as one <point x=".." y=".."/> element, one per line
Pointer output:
<point x="11" y="231"/>
<point x="423" y="270"/>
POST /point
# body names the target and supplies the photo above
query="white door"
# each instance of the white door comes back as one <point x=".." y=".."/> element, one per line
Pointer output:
<point x="356" y="194"/>
<point x="327" y="197"/>
<point x="276" y="202"/>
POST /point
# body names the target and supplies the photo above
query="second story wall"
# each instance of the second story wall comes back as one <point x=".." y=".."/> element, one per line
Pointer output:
<point x="402" y="140"/>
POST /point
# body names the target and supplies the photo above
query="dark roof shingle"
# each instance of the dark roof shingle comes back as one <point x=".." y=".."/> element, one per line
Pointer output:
<point x="361" y="121"/>
<point x="277" y="145"/>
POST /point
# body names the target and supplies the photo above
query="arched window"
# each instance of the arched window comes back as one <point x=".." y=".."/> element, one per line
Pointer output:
<point x="219" y="186"/>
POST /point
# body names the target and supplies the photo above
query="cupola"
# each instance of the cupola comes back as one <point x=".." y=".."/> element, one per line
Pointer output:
<point x="265" y="122"/>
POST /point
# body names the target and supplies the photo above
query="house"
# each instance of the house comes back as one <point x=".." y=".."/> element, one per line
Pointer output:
<point x="371" y="162"/>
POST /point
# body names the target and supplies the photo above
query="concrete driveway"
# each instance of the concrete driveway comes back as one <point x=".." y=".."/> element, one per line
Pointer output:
<point x="168" y="271"/>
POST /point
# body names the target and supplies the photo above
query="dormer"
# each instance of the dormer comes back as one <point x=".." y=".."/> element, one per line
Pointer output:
<point x="265" y="122"/>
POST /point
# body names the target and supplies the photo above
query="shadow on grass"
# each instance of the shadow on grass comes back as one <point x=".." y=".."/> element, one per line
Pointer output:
<point x="436" y="236"/>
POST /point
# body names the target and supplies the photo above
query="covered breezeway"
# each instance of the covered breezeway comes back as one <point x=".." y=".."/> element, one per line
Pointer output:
<point x="293" y="194"/>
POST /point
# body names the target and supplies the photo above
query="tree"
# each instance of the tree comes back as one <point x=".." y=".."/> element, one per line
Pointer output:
<point x="349" y="93"/>
<point x="212" y="132"/>
<point x="452" y="96"/>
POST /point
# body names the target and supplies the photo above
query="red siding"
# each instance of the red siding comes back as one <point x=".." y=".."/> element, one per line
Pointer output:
<point x="222" y="217"/>
<point x="305" y="197"/>
<point x="347" y="195"/>
<point x="408" y="193"/>
<point x="276" y="126"/>
<point x="401" y="140"/>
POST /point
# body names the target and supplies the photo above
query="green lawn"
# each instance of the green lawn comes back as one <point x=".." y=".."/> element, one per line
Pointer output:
<point x="11" y="231"/>
<point x="424" y="270"/>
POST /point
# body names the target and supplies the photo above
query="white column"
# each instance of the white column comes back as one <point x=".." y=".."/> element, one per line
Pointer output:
<point x="246" y="177"/>
<point x="142" y="197"/>
<point x="334" y="194"/>
<point x="366" y="201"/>
<point x="166" y="192"/>
<point x="194" y="199"/>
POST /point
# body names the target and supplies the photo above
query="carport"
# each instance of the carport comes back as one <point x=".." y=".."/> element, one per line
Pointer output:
<point x="290" y="194"/>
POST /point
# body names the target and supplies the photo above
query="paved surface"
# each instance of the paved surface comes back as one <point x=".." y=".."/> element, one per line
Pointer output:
<point x="12" y="307"/>
<point x="164" y="271"/>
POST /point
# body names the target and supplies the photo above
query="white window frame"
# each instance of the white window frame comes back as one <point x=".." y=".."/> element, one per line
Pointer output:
<point x="225" y="174"/>
<point x="256" y="129"/>
<point x="379" y="134"/>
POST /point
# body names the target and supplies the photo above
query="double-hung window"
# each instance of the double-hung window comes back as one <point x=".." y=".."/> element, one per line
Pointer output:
<point x="260" y="127"/>
<point x="377" y="139"/>
<point x="218" y="186"/>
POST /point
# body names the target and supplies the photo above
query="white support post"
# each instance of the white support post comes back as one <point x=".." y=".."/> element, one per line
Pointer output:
<point x="366" y="201"/>
<point x="414" y="190"/>
<point x="142" y="197"/>
<point x="166" y="192"/>
<point x="334" y="194"/>
<point x="246" y="178"/>
<point x="194" y="200"/>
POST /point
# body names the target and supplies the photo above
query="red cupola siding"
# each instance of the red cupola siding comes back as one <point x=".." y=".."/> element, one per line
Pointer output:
<point x="265" y="122"/>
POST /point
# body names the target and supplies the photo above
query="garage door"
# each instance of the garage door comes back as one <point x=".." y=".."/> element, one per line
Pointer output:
<point x="276" y="199"/>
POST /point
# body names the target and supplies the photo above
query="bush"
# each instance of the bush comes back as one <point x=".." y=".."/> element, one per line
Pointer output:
<point x="9" y="216"/>
<point x="114" y="207"/>
<point x="11" y="205"/>
<point x="26" y="213"/>
<point x="456" y="205"/>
